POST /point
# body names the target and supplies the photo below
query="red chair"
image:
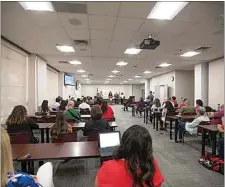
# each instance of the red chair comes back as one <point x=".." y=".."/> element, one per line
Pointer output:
<point x="67" y="137"/>
<point x="19" y="138"/>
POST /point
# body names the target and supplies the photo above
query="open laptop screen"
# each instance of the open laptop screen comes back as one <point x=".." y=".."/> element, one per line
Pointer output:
<point x="109" y="139"/>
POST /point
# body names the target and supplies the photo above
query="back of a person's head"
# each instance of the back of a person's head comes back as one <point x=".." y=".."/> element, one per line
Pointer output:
<point x="150" y="92"/>
<point x="60" y="124"/>
<point x="99" y="101"/>
<point x="62" y="105"/>
<point x="104" y="106"/>
<point x="141" y="99"/>
<point x="44" y="106"/>
<point x="84" y="100"/>
<point x="6" y="157"/>
<point x="136" y="149"/>
<point x="174" y="98"/>
<point x="199" y="102"/>
<point x="18" y="115"/>
<point x="78" y="99"/>
<point x="201" y="110"/>
<point x="57" y="100"/>
<point x="71" y="104"/>
<point x="96" y="113"/>
<point x="157" y="102"/>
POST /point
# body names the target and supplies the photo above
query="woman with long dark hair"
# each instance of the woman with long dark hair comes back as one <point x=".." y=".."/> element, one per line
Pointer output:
<point x="63" y="105"/>
<point x="107" y="112"/>
<point x="133" y="164"/>
<point x="44" y="107"/>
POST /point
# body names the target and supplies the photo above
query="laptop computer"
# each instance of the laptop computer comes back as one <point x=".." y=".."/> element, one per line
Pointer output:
<point x="108" y="142"/>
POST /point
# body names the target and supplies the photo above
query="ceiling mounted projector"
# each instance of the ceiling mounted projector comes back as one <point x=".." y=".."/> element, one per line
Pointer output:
<point x="149" y="43"/>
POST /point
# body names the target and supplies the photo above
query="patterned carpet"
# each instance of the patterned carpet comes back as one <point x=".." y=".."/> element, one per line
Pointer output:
<point x="178" y="162"/>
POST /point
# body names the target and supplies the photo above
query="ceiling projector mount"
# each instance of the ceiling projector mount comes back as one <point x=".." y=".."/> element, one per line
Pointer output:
<point x="149" y="43"/>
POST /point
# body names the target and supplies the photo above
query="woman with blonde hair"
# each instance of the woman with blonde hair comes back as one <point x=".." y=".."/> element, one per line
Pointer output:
<point x="9" y="177"/>
<point x="19" y="122"/>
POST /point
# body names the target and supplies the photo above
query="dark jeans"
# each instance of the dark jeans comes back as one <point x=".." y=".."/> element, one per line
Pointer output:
<point x="220" y="148"/>
<point x="181" y="129"/>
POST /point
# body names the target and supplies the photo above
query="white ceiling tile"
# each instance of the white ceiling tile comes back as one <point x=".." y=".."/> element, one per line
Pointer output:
<point x="101" y="34"/>
<point x="78" y="34"/>
<point x="103" y="8"/>
<point x="129" y="24"/>
<point x="65" y="17"/>
<point x="102" y="22"/>
<point x="123" y="35"/>
<point x="136" y="9"/>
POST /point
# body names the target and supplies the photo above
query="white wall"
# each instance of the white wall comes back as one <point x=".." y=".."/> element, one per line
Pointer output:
<point x="164" y="79"/>
<point x="51" y="85"/>
<point x="13" y="79"/>
<point x="184" y="85"/>
<point x="137" y="90"/>
<point x="216" y="83"/>
<point x="91" y="90"/>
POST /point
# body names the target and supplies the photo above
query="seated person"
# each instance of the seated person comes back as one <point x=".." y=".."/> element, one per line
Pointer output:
<point x="44" y="109"/>
<point x="187" y="109"/>
<point x="107" y="112"/>
<point x="192" y="127"/>
<point x="140" y="106"/>
<point x="126" y="104"/>
<point x="84" y="105"/>
<point x="198" y="103"/>
<point x="167" y="110"/>
<point x="156" y="105"/>
<point x="220" y="142"/>
<point x="174" y="101"/>
<point x="96" y="124"/>
<point x="185" y="103"/>
<point x="10" y="177"/>
<point x="71" y="114"/>
<point x="62" y="105"/>
<point x="217" y="116"/>
<point x="78" y="102"/>
<point x="91" y="101"/>
<point x="55" y="106"/>
<point x="19" y="122"/>
<point x="60" y="126"/>
<point x="133" y="163"/>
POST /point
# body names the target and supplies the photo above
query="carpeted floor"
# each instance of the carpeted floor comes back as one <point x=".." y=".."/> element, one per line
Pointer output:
<point x="178" y="162"/>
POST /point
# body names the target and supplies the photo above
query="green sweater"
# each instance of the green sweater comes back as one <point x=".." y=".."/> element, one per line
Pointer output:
<point x="75" y="113"/>
<point x="187" y="110"/>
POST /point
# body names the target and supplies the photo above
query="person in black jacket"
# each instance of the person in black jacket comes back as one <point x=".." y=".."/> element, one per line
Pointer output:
<point x="96" y="124"/>
<point x="19" y="122"/>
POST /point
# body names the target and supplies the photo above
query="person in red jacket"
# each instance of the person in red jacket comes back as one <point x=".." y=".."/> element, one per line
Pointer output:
<point x="217" y="116"/>
<point x="107" y="112"/>
<point x="133" y="163"/>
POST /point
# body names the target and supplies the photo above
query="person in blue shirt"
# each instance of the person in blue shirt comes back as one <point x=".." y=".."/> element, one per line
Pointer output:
<point x="9" y="177"/>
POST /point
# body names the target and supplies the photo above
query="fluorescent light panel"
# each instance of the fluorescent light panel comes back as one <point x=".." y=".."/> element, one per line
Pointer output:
<point x="111" y="76"/>
<point x="137" y="76"/>
<point x="125" y="81"/>
<point x="65" y="48"/>
<point x="190" y="54"/>
<point x="132" y="51"/>
<point x="84" y="76"/>
<point x="130" y="79"/>
<point x="147" y="72"/>
<point x="166" y="10"/>
<point x="80" y="71"/>
<point x="115" y="71"/>
<point x="75" y="62"/>
<point x="37" y="6"/>
<point x="121" y="63"/>
<point x="163" y="65"/>
<point x="108" y="79"/>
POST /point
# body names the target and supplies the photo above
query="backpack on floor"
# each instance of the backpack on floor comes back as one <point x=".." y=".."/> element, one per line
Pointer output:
<point x="212" y="162"/>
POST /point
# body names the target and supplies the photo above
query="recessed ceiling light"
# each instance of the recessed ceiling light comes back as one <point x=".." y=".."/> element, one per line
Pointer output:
<point x="108" y="79"/>
<point x="115" y="71"/>
<point x="65" y="48"/>
<point x="121" y="83"/>
<point x="137" y="76"/>
<point x="80" y="71"/>
<point x="121" y="63"/>
<point x="87" y="79"/>
<point x="75" y="62"/>
<point x="125" y="81"/>
<point x="111" y="76"/>
<point x="147" y="72"/>
<point x="84" y="76"/>
<point x="190" y="54"/>
<point x="38" y="6"/>
<point x="130" y="79"/>
<point x="166" y="10"/>
<point x="132" y="51"/>
<point x="163" y="65"/>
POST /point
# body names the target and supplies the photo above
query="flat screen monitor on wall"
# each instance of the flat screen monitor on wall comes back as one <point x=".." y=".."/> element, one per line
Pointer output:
<point x="69" y="80"/>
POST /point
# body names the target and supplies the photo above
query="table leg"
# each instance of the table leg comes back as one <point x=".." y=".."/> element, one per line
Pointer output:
<point x="47" y="135"/>
<point x="31" y="167"/>
<point x="134" y="111"/>
<point x="214" y="143"/>
<point x="41" y="163"/>
<point x="146" y="120"/>
<point x="157" y="122"/>
<point x="42" y="136"/>
<point x="144" y="114"/>
<point x="24" y="167"/>
<point x="171" y="123"/>
<point x="175" y="130"/>
<point x="154" y="121"/>
<point x="203" y="141"/>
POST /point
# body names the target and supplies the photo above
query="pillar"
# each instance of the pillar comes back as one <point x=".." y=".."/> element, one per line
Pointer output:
<point x="147" y="87"/>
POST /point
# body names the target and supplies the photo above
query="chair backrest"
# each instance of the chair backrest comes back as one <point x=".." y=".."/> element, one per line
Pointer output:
<point x="67" y="137"/>
<point x="204" y="123"/>
<point x="85" y="111"/>
<point x="19" y="138"/>
<point x="92" y="136"/>
<point x="45" y="175"/>
<point x="53" y="112"/>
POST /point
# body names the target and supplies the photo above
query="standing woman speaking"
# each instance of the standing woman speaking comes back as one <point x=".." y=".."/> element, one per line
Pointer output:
<point x="110" y="97"/>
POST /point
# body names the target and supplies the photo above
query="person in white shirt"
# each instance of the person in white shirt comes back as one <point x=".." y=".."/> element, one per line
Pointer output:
<point x="55" y="106"/>
<point x="192" y="127"/>
<point x="84" y="105"/>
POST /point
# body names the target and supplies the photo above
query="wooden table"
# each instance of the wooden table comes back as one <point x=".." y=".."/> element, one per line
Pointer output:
<point x="43" y="119"/>
<point x="17" y="150"/>
<point x="175" y="118"/>
<point x="213" y="129"/>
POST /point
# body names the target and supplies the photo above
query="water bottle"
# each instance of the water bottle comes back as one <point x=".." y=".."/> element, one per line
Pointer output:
<point x="218" y="107"/>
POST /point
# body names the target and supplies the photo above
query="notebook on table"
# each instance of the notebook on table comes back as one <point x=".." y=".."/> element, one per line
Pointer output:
<point x="108" y="142"/>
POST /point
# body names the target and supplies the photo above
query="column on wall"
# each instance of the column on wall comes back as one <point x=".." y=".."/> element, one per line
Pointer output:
<point x="61" y="83"/>
<point x="147" y="87"/>
<point x="201" y="82"/>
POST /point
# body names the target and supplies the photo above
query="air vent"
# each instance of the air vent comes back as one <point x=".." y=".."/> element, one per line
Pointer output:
<point x="63" y="62"/>
<point x="70" y="7"/>
<point x="81" y="42"/>
<point x="201" y="49"/>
